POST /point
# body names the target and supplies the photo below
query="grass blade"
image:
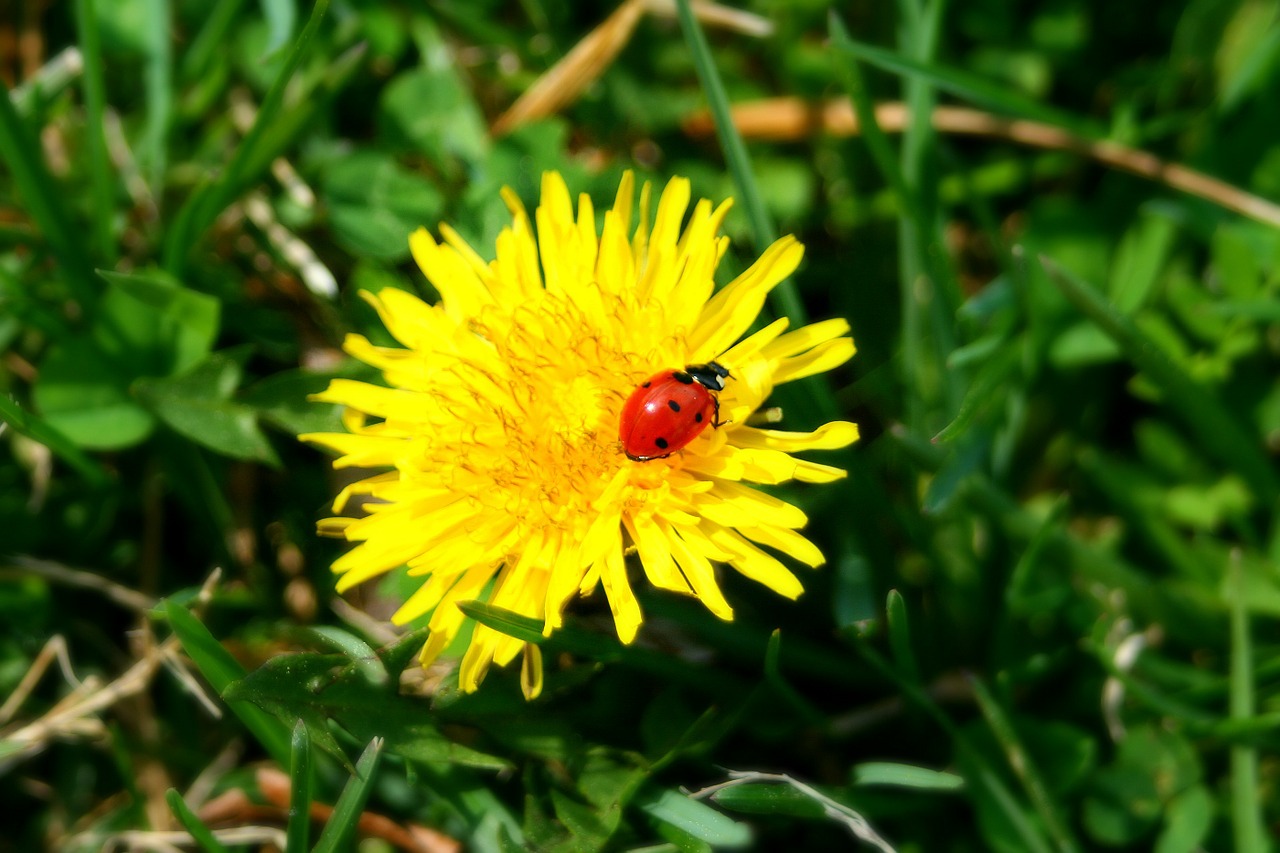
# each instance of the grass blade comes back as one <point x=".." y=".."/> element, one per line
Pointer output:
<point x="978" y="773"/>
<point x="204" y="205"/>
<point x="192" y="824"/>
<point x="1023" y="767"/>
<point x="37" y="430"/>
<point x="900" y="637"/>
<point x="212" y="37"/>
<point x="42" y="199"/>
<point x="1246" y="806"/>
<point x="919" y="239"/>
<point x="968" y="86"/>
<point x="95" y="101"/>
<point x="784" y="296"/>
<point x="347" y="811"/>
<point x="220" y="669"/>
<point x="1219" y="432"/>
<point x="298" y="830"/>
<point x="159" y="93"/>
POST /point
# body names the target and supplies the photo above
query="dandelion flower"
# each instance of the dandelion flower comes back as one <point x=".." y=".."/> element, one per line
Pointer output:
<point x="499" y="422"/>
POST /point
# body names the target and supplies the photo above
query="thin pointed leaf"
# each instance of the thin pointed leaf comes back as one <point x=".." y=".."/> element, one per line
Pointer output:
<point x="206" y="203"/>
<point x="298" y="830"/>
<point x="192" y="824"/>
<point x="784" y="297"/>
<point x="95" y="140"/>
<point x="36" y="429"/>
<point x="1247" y="820"/>
<point x="158" y="84"/>
<point x="1219" y="432"/>
<point x="1024" y="768"/>
<point x="42" y="199"/>
<point x="968" y="86"/>
<point x="347" y="811"/>
<point x="900" y="637"/>
<point x="220" y="669"/>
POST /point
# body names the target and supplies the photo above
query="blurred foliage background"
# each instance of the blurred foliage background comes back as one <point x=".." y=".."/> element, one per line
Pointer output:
<point x="1048" y="618"/>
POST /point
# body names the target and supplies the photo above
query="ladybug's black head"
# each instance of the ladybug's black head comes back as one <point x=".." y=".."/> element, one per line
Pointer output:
<point x="710" y="375"/>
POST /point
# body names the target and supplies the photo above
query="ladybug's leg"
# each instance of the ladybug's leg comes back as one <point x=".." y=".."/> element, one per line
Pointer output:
<point x="715" y="413"/>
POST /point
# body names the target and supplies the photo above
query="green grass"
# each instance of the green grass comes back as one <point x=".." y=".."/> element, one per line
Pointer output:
<point x="1048" y="617"/>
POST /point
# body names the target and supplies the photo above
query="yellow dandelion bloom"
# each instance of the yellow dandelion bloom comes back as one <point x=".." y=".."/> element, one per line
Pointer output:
<point x="499" y="425"/>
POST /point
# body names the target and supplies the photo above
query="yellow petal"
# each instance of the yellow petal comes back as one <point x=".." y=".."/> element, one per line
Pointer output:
<point x="787" y="541"/>
<point x="463" y="292"/>
<point x="756" y="564"/>
<point x="805" y="338"/>
<point x="655" y="555"/>
<point x="622" y="601"/>
<point x="820" y="359"/>
<point x="745" y="505"/>
<point x="750" y="346"/>
<point x="732" y="311"/>
<point x="831" y="436"/>
<point x="700" y="574"/>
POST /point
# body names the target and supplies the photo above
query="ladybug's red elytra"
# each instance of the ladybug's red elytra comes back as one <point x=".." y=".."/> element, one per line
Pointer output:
<point x="670" y="409"/>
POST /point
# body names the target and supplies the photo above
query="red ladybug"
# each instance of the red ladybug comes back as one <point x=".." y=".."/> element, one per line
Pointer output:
<point x="670" y="409"/>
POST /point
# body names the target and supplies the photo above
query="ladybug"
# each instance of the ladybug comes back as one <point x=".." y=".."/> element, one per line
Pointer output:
<point x="670" y="409"/>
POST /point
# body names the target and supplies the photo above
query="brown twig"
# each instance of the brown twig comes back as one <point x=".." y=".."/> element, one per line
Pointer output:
<point x="55" y="649"/>
<point x="784" y="119"/>
<point x="81" y="578"/>
<point x="562" y="83"/>
<point x="74" y="715"/>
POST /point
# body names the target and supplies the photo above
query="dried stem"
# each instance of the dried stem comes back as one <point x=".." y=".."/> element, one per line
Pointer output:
<point x="81" y="578"/>
<point x="562" y="83"/>
<point x="783" y="119"/>
<point x="855" y="822"/>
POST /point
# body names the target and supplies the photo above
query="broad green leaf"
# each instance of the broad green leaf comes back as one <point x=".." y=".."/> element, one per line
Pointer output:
<point x="431" y="111"/>
<point x="1187" y="822"/>
<point x="84" y="396"/>
<point x="153" y="322"/>
<point x="375" y="204"/>
<point x="695" y="818"/>
<point x="1236" y="268"/>
<point x="1081" y="345"/>
<point x="281" y="400"/>
<point x="197" y="405"/>
<point x="282" y="18"/>
<point x="884" y="773"/>
<point x="315" y="688"/>
<point x="1138" y="261"/>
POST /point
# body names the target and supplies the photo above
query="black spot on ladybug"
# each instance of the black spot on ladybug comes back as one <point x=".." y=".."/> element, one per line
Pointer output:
<point x="645" y="384"/>
<point x="697" y="419"/>
<point x="673" y="405"/>
<point x="661" y="442"/>
<point x="682" y="377"/>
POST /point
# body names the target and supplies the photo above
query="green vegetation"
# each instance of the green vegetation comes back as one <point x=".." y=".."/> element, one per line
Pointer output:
<point x="1046" y="622"/>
